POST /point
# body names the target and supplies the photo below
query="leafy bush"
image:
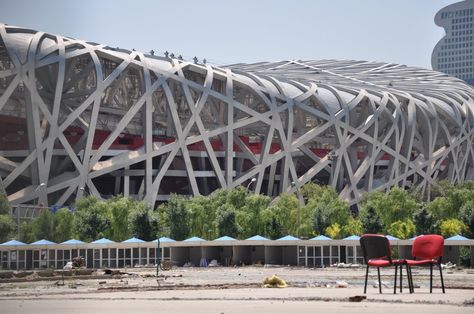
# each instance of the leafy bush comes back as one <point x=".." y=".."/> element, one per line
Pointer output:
<point x="334" y="231"/>
<point x="452" y="227"/>
<point x="353" y="226"/>
<point x="402" y="229"/>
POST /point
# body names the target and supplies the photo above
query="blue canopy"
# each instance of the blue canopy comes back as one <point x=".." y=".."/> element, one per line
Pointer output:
<point x="73" y="241"/>
<point x="102" y="241"/>
<point x="165" y="239"/>
<point x="287" y="238"/>
<point x="391" y="237"/>
<point x="457" y="238"/>
<point x="256" y="238"/>
<point x="225" y="238"/>
<point x="42" y="242"/>
<point x="194" y="239"/>
<point x="13" y="242"/>
<point x="321" y="238"/>
<point x="353" y="237"/>
<point x="133" y="240"/>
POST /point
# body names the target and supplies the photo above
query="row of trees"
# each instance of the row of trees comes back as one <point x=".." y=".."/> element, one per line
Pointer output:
<point x="239" y="214"/>
<point x="118" y="219"/>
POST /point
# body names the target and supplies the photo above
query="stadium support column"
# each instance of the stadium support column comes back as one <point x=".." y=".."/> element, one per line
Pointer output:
<point x="126" y="182"/>
<point x="147" y="113"/>
<point x="31" y="136"/>
<point x="229" y="144"/>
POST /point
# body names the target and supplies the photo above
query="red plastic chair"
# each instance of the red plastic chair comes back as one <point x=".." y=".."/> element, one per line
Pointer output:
<point x="378" y="253"/>
<point x="427" y="250"/>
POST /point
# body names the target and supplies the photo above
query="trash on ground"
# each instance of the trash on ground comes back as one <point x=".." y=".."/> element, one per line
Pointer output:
<point x="357" y="298"/>
<point x="274" y="282"/>
<point x="341" y="284"/>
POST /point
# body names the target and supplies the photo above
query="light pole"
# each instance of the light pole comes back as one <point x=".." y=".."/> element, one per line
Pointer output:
<point x="251" y="181"/>
<point x="293" y="184"/>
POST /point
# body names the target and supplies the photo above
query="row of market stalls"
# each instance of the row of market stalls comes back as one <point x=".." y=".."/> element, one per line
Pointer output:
<point x="226" y="251"/>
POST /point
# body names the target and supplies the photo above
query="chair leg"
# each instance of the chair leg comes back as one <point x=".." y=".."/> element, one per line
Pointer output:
<point x="395" y="281"/>
<point x="380" y="282"/>
<point x="431" y="278"/>
<point x="410" y="279"/>
<point x="366" y="277"/>
<point x="401" y="280"/>
<point x="441" y="275"/>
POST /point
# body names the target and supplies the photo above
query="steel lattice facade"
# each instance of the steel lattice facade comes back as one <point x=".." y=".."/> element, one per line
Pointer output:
<point x="78" y="116"/>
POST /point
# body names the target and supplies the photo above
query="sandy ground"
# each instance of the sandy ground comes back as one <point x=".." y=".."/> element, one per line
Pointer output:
<point x="237" y="290"/>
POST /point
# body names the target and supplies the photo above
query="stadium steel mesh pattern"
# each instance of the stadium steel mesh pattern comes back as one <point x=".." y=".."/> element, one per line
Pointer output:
<point x="79" y="117"/>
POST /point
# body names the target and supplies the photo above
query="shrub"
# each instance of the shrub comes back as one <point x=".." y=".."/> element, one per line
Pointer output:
<point x="402" y="229"/>
<point x="452" y="227"/>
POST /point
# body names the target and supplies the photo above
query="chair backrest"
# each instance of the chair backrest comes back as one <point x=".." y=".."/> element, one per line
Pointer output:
<point x="375" y="246"/>
<point x="428" y="246"/>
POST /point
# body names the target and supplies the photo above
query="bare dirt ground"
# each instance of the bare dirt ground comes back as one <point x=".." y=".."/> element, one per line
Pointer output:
<point x="234" y="290"/>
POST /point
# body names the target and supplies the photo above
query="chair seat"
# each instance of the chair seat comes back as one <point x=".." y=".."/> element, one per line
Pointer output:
<point x="399" y="261"/>
<point x="379" y="263"/>
<point x="420" y="262"/>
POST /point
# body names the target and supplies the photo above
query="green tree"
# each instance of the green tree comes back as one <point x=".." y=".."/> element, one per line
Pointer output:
<point x="324" y="207"/>
<point x="159" y="221"/>
<point x="402" y="229"/>
<point x="202" y="212"/>
<point x="370" y="220"/>
<point x="439" y="208"/>
<point x="451" y="227"/>
<point x="26" y="232"/>
<point x="424" y="221"/>
<point x="285" y="214"/>
<point x="250" y="217"/>
<point x="466" y="215"/>
<point x="7" y="228"/>
<point x="63" y="225"/>
<point x="140" y="221"/>
<point x="92" y="219"/>
<point x="450" y="199"/>
<point x="393" y="206"/>
<point x="43" y="226"/>
<point x="178" y="217"/>
<point x="119" y="209"/>
<point x="329" y="212"/>
<point x="4" y="205"/>
<point x="227" y="222"/>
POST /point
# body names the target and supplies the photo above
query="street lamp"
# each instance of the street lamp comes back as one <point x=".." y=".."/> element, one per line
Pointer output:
<point x="41" y="185"/>
<point x="293" y="184"/>
<point x="251" y="181"/>
<point x="83" y="189"/>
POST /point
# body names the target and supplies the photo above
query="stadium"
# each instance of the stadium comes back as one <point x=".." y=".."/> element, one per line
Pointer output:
<point x="84" y="118"/>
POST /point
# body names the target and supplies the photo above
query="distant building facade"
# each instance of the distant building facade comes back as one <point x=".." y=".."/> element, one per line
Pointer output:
<point x="454" y="52"/>
<point x="79" y="117"/>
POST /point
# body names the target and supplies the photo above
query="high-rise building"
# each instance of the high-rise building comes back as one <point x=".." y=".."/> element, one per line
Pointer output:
<point x="454" y="52"/>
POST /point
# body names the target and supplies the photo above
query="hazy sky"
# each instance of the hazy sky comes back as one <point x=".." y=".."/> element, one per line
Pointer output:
<point x="224" y="32"/>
